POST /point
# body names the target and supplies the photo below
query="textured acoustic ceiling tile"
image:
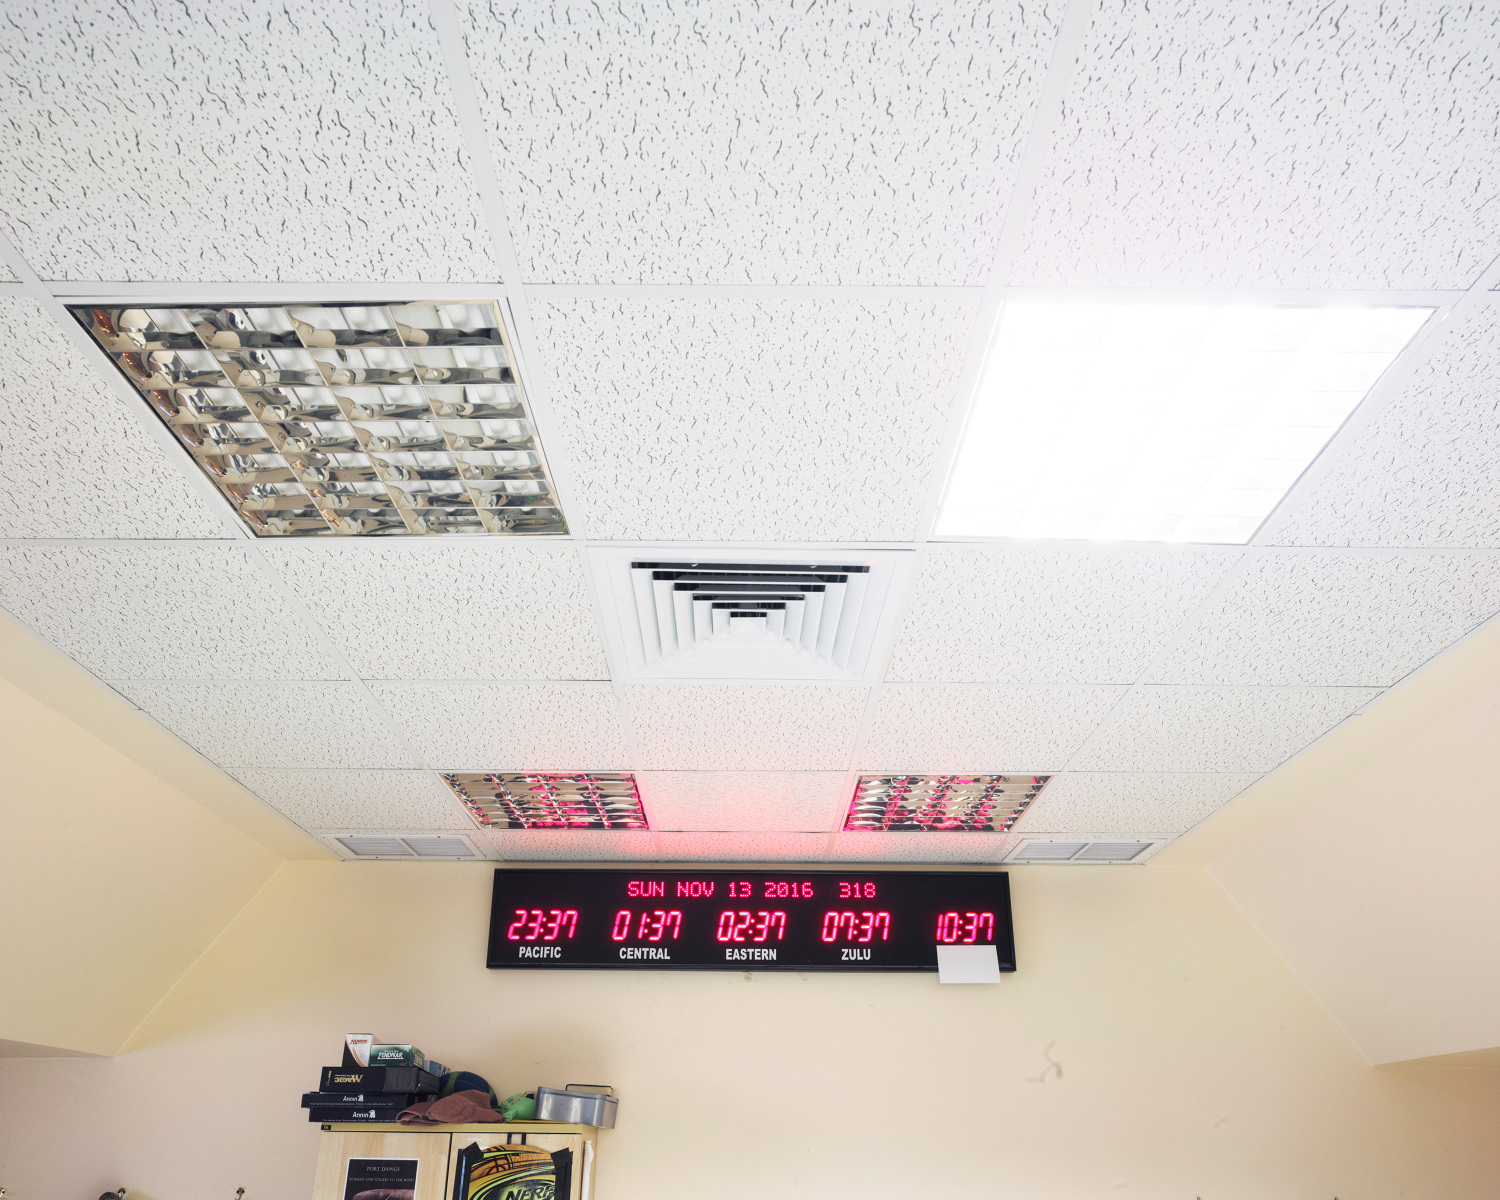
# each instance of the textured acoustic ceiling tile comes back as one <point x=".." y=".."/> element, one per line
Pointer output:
<point x="510" y="727"/>
<point x="1334" y="619"/>
<point x="487" y="609"/>
<point x="1298" y="144"/>
<point x="744" y="800"/>
<point x="743" y="847"/>
<point x="359" y="801"/>
<point x="1001" y="730"/>
<point x="1096" y="615"/>
<point x="657" y="141"/>
<point x="1101" y="802"/>
<point x="1215" y="729"/>
<point x="208" y="141"/>
<point x="711" y="419"/>
<point x="1420" y="472"/>
<point x="75" y="464"/>
<point x="921" y="847"/>
<point x="235" y="725"/>
<point x="745" y="728"/>
<point x="121" y="612"/>
<point x="582" y="845"/>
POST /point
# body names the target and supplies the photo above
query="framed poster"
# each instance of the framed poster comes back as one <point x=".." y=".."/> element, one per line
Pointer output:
<point x="381" y="1179"/>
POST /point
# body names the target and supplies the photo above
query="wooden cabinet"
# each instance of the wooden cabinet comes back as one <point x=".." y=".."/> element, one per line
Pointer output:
<point x="435" y="1150"/>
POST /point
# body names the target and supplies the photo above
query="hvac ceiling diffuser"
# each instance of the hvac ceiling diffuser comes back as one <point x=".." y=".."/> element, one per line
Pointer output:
<point x="531" y="801"/>
<point x="940" y="803"/>
<point x="726" y="616"/>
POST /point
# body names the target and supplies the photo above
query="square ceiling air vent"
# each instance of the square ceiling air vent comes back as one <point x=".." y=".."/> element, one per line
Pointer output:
<point x="334" y="419"/>
<point x="411" y="845"/>
<point x="803" y="616"/>
<point x="596" y="800"/>
<point x="940" y="803"/>
<point x="1077" y="850"/>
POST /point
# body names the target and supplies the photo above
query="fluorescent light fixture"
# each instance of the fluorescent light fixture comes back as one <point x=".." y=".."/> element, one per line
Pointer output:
<point x="594" y="800"/>
<point x="940" y="803"/>
<point x="328" y="419"/>
<point x="1158" y="422"/>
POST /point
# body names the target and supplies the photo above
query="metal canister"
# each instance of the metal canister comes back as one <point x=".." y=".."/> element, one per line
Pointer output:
<point x="578" y="1104"/>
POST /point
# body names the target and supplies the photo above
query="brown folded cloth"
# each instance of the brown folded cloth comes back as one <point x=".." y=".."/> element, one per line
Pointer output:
<point x="461" y="1108"/>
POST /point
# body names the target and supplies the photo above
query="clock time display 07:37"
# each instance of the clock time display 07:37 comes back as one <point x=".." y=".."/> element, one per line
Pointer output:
<point x="727" y="920"/>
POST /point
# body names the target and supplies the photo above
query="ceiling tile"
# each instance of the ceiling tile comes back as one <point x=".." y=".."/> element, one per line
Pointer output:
<point x="359" y="801"/>
<point x="1334" y="619"/>
<point x="999" y="730"/>
<point x="1311" y="146"/>
<point x="74" y="462"/>
<point x="792" y="144"/>
<point x="742" y="847"/>
<point x="583" y="845"/>
<point x="744" y="800"/>
<point x="1001" y="615"/>
<point x="1112" y="802"/>
<point x="510" y="727"/>
<point x="745" y="728"/>
<point x="1420" y="472"/>
<point x="1215" y="729"/>
<point x="108" y="608"/>
<point x="273" y="724"/>
<point x="482" y="609"/>
<point x="921" y="847"/>
<point x="202" y="141"/>
<point x="822" y="420"/>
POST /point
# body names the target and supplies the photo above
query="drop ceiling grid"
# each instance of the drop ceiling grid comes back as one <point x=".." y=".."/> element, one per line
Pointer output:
<point x="315" y="139"/>
<point x="1221" y="147"/>
<point x="764" y="141"/>
<point x="531" y="707"/>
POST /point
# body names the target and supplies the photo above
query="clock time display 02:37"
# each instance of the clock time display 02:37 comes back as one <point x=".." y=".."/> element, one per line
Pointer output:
<point x="731" y="920"/>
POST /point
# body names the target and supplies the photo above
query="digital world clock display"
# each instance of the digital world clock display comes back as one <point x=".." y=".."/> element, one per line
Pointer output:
<point x="742" y="920"/>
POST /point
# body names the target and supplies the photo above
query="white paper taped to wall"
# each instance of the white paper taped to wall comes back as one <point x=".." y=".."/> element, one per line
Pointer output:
<point x="968" y="964"/>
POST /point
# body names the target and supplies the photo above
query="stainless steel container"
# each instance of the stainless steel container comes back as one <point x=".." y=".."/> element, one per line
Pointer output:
<point x="578" y="1104"/>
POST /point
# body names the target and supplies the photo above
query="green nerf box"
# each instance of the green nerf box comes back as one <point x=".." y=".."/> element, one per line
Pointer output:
<point x="397" y="1056"/>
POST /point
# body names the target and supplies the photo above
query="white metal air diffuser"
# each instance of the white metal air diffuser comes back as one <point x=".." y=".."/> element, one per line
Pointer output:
<point x="1084" y="850"/>
<point x="406" y="845"/>
<point x="745" y="615"/>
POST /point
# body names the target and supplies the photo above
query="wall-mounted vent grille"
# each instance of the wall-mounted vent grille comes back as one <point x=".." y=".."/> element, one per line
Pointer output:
<point x="412" y="846"/>
<point x="1075" y="851"/>
<point x="515" y="801"/>
<point x="943" y="803"/>
<point x="749" y="617"/>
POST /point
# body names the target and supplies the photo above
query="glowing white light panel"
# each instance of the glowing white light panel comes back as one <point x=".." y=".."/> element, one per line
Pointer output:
<point x="1158" y="422"/>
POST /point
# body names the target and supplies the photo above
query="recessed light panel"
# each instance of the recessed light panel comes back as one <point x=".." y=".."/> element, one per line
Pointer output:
<point x="1155" y="422"/>
<point x="940" y="803"/>
<point x="573" y="801"/>
<point x="329" y="419"/>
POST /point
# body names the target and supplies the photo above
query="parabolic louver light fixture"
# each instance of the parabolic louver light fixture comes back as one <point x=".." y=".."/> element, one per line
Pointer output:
<point x="338" y="419"/>
<point x="595" y="800"/>
<point x="940" y="803"/>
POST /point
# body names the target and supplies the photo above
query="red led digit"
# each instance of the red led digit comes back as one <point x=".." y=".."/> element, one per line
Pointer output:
<point x="807" y="891"/>
<point x="554" y="919"/>
<point x="869" y="891"/>
<point x="830" y="926"/>
<point x="674" y="919"/>
<point x="844" y="890"/>
<point x="533" y="926"/>
<point x="778" y="919"/>
<point x="987" y="923"/>
<point x="658" y="925"/>
<point x="571" y="917"/>
<point x="762" y="923"/>
<point x="866" y="926"/>
<point x="846" y="923"/>
<point x="726" y="926"/>
<point x="621" y="931"/>
<point x="947" y="927"/>
<point x="883" y="923"/>
<point x="741" y="924"/>
<point x="513" y="933"/>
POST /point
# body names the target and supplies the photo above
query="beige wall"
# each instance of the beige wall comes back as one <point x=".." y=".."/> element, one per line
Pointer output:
<point x="111" y="882"/>
<point x="1383" y="894"/>
<point x="1192" y="1061"/>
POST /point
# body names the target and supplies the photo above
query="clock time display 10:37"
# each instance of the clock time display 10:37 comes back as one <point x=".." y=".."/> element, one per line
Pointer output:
<point x="732" y="920"/>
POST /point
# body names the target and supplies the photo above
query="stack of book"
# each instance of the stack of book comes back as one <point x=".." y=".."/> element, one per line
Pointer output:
<point x="391" y="1079"/>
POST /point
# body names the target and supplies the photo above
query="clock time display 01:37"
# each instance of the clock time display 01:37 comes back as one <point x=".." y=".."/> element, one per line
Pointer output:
<point x="727" y="920"/>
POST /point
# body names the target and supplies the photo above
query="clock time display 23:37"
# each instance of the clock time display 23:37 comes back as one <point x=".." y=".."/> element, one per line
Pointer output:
<point x="737" y="920"/>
